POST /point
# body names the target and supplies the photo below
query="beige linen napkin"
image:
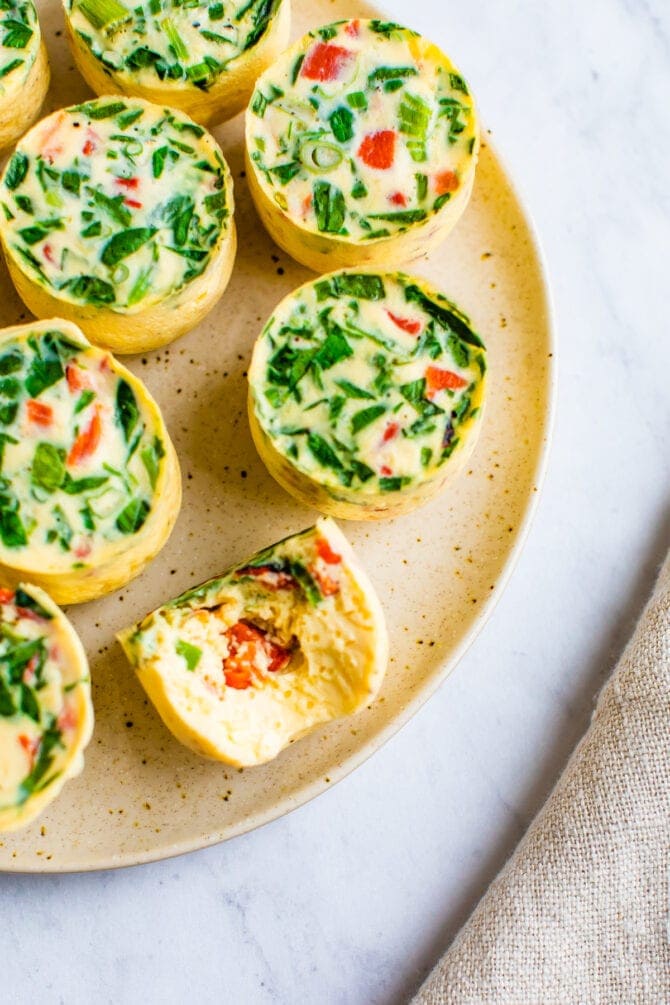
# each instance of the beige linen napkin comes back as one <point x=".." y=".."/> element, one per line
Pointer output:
<point x="580" y="912"/>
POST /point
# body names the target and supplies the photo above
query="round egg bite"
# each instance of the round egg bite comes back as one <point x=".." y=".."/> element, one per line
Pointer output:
<point x="24" y="69"/>
<point x="362" y="143"/>
<point x="118" y="215"/>
<point x="245" y="664"/>
<point x="200" y="57"/>
<point x="365" y="392"/>
<point x="46" y="716"/>
<point x="89" y="480"/>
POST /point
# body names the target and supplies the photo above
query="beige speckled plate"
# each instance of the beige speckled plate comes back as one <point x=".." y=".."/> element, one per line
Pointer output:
<point x="142" y="796"/>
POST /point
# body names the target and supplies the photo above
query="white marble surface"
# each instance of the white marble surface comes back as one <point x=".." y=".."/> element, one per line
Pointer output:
<point x="350" y="899"/>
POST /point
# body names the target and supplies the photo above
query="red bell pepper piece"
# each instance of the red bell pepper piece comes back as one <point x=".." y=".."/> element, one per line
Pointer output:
<point x="446" y="181"/>
<point x="378" y="149"/>
<point x="87" y="441"/>
<point x="440" y="380"/>
<point x="409" y="325"/>
<point x="325" y="61"/>
<point x="74" y="377"/>
<point x="246" y="645"/>
<point x="39" y="413"/>
<point x="326" y="553"/>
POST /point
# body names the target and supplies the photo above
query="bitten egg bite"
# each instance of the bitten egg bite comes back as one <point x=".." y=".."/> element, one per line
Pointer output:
<point x="118" y="215"/>
<point x="200" y="57"/>
<point x="362" y="142"/>
<point x="46" y="716"/>
<point x="89" y="480"/>
<point x="24" y="69"/>
<point x="243" y="665"/>
<point x="365" y="392"/>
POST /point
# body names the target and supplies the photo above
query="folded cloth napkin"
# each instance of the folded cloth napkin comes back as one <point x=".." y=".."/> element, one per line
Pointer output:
<point x="580" y="912"/>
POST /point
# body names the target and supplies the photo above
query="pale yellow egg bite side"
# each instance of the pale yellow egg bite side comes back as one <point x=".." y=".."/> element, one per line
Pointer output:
<point x="118" y="215"/>
<point x="24" y="69"/>
<point x="249" y="662"/>
<point x="46" y="716"/>
<point x="202" y="57"/>
<point x="91" y="486"/>
<point x="361" y="145"/>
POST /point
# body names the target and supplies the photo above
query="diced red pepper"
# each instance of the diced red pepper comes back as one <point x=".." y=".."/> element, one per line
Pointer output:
<point x="39" y="413"/>
<point x="385" y="471"/>
<point x="325" y="62"/>
<point x="440" y="380"/>
<point x="88" y="148"/>
<point x="74" y="378"/>
<point x="246" y="645"/>
<point x="279" y="657"/>
<point x="6" y="596"/>
<point x="83" y="549"/>
<point x="133" y="203"/>
<point x="390" y="431"/>
<point x="410" y="325"/>
<point x="128" y="182"/>
<point x="378" y="149"/>
<point x="30" y="746"/>
<point x="48" y="253"/>
<point x="446" y="181"/>
<point x="87" y="441"/>
<point x="326" y="553"/>
<point x="398" y="199"/>
<point x="352" y="28"/>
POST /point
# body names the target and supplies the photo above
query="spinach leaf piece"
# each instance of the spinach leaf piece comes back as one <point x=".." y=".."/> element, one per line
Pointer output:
<point x="48" y="468"/>
<point x="125" y="243"/>
<point x="133" y="516"/>
<point x="17" y="171"/>
<point x="90" y="289"/>
<point x="329" y="207"/>
<point x="444" y="315"/>
<point x="126" y="408"/>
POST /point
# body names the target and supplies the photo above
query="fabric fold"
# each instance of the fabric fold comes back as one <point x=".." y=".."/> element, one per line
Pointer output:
<point x="580" y="913"/>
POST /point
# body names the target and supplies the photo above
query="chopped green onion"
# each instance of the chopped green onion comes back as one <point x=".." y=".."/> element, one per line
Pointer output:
<point x="103" y="13"/>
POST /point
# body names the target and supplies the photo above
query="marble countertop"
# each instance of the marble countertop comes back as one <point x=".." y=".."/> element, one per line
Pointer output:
<point x="350" y="899"/>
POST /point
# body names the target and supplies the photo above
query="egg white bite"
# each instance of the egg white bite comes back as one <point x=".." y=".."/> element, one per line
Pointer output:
<point x="247" y="663"/>
<point x="201" y="57"/>
<point x="118" y="215"/>
<point x="362" y="143"/>
<point x="24" y="69"/>
<point x="90" y="486"/>
<point x="46" y="716"/>
<point x="365" y="393"/>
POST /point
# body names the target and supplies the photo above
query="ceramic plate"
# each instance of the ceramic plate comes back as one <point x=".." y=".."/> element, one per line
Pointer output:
<point x="142" y="796"/>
